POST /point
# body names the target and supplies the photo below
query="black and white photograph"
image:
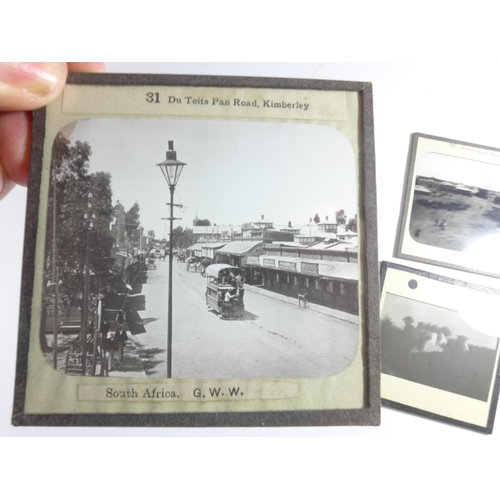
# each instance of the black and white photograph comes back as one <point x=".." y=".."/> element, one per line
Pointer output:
<point x="438" y="345"/>
<point x="202" y="250"/>
<point x="261" y="264"/>
<point x="434" y="346"/>
<point x="453" y="205"/>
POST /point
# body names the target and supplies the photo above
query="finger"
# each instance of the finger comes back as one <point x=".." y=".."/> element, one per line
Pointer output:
<point x="26" y="86"/>
<point x="15" y="127"/>
<point x="15" y="133"/>
<point x="86" y="67"/>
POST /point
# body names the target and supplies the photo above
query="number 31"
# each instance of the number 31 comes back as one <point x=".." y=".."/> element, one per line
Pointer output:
<point x="153" y="97"/>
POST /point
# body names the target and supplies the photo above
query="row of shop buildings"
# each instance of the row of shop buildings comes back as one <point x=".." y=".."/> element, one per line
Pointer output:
<point x="327" y="271"/>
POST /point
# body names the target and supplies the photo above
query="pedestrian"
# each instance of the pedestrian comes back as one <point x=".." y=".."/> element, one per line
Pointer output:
<point x="120" y="320"/>
<point x="228" y="303"/>
<point x="122" y="340"/>
<point x="240" y="291"/>
<point x="121" y="333"/>
<point x="111" y="349"/>
<point x="239" y="281"/>
<point x="103" y="343"/>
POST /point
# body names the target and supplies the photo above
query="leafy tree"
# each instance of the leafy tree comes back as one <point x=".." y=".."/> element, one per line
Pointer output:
<point x="132" y="220"/>
<point x="386" y="323"/>
<point x="316" y="219"/>
<point x="445" y="331"/>
<point x="352" y="225"/>
<point x="182" y="238"/>
<point x="69" y="168"/>
<point x="201" y="222"/>
<point x="341" y="217"/>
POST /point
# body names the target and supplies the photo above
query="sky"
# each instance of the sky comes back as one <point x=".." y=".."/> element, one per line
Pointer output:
<point x="236" y="171"/>
<point x="397" y="308"/>
<point x="460" y="170"/>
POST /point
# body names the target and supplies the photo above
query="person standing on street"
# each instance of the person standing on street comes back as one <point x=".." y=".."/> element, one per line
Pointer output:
<point x="228" y="303"/>
<point x="121" y="333"/>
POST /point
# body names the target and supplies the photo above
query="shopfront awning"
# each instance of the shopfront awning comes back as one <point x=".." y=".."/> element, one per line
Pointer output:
<point x="241" y="247"/>
<point x="212" y="245"/>
<point x="195" y="246"/>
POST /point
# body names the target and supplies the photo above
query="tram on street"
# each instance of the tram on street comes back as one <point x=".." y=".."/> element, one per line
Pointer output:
<point x="223" y="294"/>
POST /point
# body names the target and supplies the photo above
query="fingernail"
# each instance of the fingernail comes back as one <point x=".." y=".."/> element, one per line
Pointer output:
<point x="36" y="78"/>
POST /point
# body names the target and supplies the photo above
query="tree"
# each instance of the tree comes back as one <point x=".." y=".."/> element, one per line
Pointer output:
<point x="182" y="238"/>
<point x="69" y="169"/>
<point x="132" y="220"/>
<point x="316" y="219"/>
<point x="340" y="217"/>
<point x="352" y="225"/>
<point x="445" y="331"/>
<point x="201" y="222"/>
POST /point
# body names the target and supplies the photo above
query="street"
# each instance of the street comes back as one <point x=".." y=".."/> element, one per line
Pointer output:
<point x="275" y="338"/>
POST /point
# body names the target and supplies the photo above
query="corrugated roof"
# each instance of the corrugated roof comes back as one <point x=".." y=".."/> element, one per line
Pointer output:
<point x="325" y="235"/>
<point x="285" y="244"/>
<point x="343" y="270"/>
<point x="347" y="232"/>
<point x="196" y="246"/>
<point x="213" y="245"/>
<point x="240" y="247"/>
<point x="322" y="246"/>
<point x="341" y="247"/>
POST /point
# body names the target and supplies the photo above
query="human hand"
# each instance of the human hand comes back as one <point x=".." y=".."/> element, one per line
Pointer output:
<point x="24" y="87"/>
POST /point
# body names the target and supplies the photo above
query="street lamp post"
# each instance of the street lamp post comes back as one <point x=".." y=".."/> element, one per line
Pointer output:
<point x="171" y="169"/>
<point x="88" y="220"/>
<point x="55" y="272"/>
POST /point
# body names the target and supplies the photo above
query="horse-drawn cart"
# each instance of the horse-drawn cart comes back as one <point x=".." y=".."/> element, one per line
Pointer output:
<point x="193" y="265"/>
<point x="151" y="261"/>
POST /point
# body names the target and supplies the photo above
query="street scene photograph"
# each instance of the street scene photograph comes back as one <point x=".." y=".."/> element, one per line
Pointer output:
<point x="436" y="347"/>
<point x="201" y="249"/>
<point x="456" y="202"/>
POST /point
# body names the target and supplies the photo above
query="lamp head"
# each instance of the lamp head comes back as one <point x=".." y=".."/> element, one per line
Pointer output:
<point x="171" y="168"/>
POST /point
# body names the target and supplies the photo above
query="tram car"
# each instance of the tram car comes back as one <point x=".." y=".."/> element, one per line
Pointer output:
<point x="223" y="295"/>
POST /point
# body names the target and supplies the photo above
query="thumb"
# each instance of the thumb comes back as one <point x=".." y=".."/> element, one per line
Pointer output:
<point x="27" y="86"/>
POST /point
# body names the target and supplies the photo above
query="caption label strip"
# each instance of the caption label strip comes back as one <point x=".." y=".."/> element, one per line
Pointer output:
<point x="207" y="102"/>
<point x="189" y="391"/>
